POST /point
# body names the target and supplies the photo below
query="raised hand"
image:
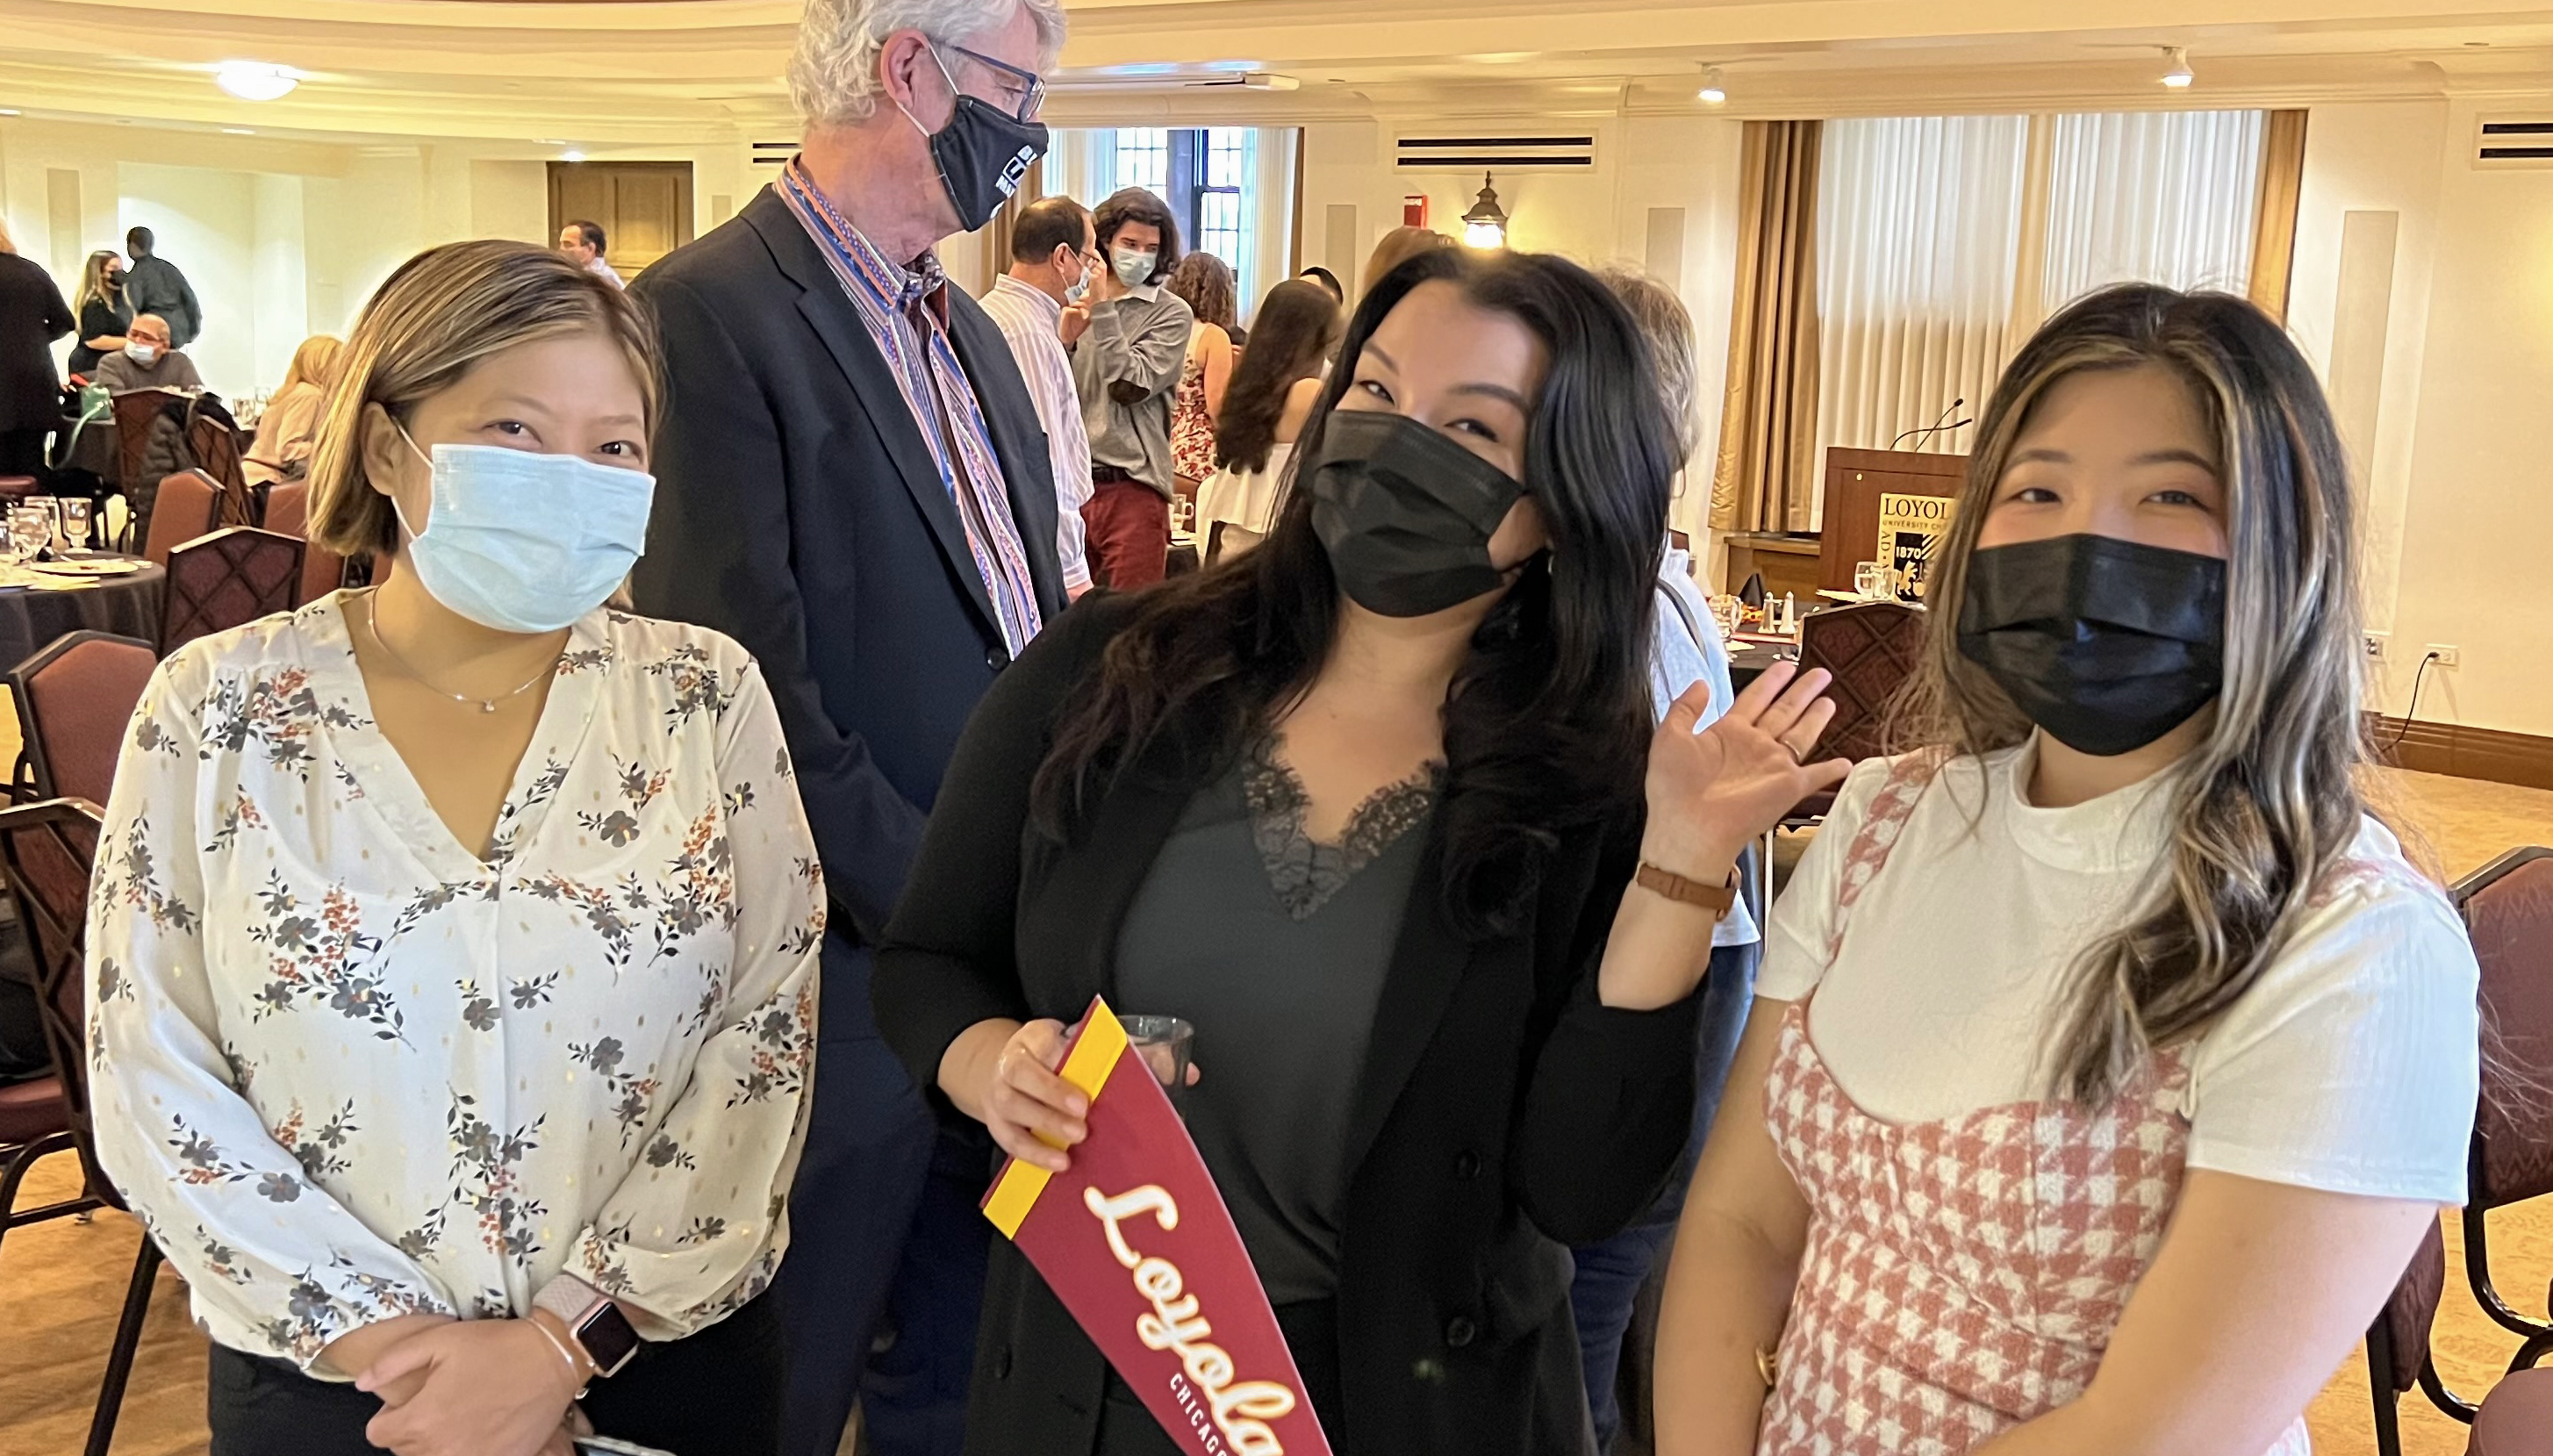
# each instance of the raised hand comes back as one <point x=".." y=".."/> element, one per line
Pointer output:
<point x="1713" y="793"/>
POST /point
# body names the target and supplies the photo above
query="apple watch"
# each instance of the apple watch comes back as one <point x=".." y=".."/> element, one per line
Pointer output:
<point x="591" y="1320"/>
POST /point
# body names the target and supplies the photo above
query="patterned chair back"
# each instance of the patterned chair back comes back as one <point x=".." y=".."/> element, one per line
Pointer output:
<point x="76" y="698"/>
<point x="47" y="851"/>
<point x="179" y="510"/>
<point x="1871" y="648"/>
<point x="228" y="579"/>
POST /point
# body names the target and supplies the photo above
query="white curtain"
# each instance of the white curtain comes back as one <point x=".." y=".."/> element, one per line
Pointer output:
<point x="2159" y="196"/>
<point x="1943" y="242"/>
<point x="1919" y="222"/>
<point x="1083" y="164"/>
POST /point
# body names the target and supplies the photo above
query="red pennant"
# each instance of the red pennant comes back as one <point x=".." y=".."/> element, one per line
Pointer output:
<point x="1137" y="1242"/>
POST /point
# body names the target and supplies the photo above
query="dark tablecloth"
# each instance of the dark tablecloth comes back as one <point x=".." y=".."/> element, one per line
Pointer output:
<point x="127" y="605"/>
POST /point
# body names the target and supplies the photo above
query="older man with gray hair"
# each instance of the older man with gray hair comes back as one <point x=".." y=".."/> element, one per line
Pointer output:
<point x="852" y="482"/>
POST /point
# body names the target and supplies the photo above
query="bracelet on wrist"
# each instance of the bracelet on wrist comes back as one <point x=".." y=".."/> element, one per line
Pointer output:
<point x="575" y="1378"/>
<point x="1667" y="884"/>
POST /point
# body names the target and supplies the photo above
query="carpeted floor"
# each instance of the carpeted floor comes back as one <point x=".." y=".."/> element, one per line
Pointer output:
<point x="63" y="1282"/>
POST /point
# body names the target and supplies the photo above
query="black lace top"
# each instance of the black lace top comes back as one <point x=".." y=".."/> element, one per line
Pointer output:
<point x="1274" y="947"/>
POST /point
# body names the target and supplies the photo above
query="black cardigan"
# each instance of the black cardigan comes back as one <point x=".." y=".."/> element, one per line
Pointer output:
<point x="1503" y="1115"/>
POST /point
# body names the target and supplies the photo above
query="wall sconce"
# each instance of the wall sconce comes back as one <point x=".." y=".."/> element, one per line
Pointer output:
<point x="1486" y="225"/>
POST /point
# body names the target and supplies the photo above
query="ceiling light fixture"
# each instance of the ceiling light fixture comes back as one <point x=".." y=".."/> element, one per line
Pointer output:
<point x="255" y="80"/>
<point x="2178" y="78"/>
<point x="236" y="132"/>
<point x="1713" y="90"/>
<point x="1486" y="225"/>
<point x="8" y="111"/>
<point x="571" y="155"/>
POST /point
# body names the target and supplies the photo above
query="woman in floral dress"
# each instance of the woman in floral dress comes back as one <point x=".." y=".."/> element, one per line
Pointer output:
<point x="454" y="943"/>
<point x="1204" y="282"/>
<point x="2109" y="1058"/>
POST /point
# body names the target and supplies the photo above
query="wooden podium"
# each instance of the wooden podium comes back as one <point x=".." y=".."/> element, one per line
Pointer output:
<point x="1856" y="478"/>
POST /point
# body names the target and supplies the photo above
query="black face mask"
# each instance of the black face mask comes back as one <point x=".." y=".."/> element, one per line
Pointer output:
<point x="2106" y="645"/>
<point x="983" y="155"/>
<point x="1406" y="513"/>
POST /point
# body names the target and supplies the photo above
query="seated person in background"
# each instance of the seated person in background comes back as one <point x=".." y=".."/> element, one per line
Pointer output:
<point x="1273" y="393"/>
<point x="147" y="362"/>
<point x="291" y="418"/>
<point x="103" y="312"/>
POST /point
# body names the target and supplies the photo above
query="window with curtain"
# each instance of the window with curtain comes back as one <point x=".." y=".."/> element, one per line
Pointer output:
<point x="1943" y="242"/>
<point x="1232" y="188"/>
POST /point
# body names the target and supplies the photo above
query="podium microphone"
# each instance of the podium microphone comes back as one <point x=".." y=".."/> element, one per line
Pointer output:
<point x="1939" y="424"/>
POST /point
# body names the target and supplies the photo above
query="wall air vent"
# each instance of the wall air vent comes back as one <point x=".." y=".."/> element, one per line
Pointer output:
<point x="2515" y="141"/>
<point x="773" y="153"/>
<point x="1507" y="151"/>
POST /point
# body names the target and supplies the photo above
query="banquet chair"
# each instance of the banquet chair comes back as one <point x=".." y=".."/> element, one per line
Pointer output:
<point x="182" y="510"/>
<point x="228" y="579"/>
<point x="1871" y="648"/>
<point x="47" y="851"/>
<point x="2507" y="908"/>
<point x="287" y="512"/>
<point x="2397" y="1346"/>
<point x="74" y="697"/>
<point x="133" y="412"/>
<point x="2517" y="1417"/>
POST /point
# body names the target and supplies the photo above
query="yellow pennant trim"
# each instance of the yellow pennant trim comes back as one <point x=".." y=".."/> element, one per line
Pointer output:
<point x="1086" y="1071"/>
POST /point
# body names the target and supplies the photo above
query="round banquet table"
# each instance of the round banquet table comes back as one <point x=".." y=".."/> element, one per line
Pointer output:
<point x="47" y="607"/>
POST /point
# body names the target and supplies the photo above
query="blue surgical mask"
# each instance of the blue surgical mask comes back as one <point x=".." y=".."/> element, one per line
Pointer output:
<point x="525" y="542"/>
<point x="1078" y="289"/>
<point x="141" y="353"/>
<point x="1135" y="270"/>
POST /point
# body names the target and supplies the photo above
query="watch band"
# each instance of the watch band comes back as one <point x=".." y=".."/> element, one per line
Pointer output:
<point x="1667" y="883"/>
<point x="595" y="1323"/>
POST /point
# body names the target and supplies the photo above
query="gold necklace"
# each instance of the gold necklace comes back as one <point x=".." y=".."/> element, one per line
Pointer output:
<point x="372" y="624"/>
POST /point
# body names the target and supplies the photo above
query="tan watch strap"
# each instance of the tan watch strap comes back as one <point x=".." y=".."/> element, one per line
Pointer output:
<point x="1715" y="898"/>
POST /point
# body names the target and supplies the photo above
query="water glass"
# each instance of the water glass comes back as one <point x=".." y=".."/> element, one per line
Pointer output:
<point x="1869" y="579"/>
<point x="1728" y="611"/>
<point x="1166" y="1044"/>
<point x="30" y="528"/>
<point x="77" y="515"/>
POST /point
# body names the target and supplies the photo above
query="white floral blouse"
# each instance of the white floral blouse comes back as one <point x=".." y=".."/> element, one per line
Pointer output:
<point x="347" y="1069"/>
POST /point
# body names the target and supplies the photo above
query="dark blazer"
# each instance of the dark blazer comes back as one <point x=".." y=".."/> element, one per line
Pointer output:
<point x="154" y="285"/>
<point x="797" y="510"/>
<point x="32" y="315"/>
<point x="1504" y="1112"/>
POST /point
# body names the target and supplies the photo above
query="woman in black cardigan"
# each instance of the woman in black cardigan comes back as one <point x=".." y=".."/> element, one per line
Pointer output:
<point x="1363" y="805"/>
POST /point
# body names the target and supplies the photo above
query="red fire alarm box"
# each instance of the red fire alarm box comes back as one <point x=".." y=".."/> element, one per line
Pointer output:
<point x="1414" y="210"/>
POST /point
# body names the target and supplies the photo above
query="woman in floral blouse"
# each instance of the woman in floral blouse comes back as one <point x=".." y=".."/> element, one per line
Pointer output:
<point x="454" y="943"/>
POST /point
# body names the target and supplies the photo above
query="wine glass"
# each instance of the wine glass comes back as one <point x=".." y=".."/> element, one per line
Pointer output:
<point x="75" y="521"/>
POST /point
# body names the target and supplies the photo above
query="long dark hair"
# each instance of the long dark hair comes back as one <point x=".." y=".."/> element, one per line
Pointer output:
<point x="1298" y="322"/>
<point x="1546" y="724"/>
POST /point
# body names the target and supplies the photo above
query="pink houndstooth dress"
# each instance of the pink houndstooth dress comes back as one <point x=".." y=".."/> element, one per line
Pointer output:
<point x="1961" y="1276"/>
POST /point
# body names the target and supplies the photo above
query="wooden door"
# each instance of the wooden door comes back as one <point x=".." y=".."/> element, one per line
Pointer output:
<point x="644" y="207"/>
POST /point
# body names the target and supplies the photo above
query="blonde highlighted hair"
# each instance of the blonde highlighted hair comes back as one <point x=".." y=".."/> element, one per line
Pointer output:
<point x="2270" y="803"/>
<point x="313" y="362"/>
<point x="444" y="310"/>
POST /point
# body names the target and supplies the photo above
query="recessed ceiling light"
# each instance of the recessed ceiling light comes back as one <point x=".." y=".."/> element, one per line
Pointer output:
<point x="572" y="154"/>
<point x="8" y="111"/>
<point x="236" y="132"/>
<point x="255" y="80"/>
<point x="1713" y="89"/>
<point x="2179" y="76"/>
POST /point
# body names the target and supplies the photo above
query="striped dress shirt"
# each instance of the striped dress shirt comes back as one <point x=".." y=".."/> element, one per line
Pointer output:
<point x="906" y="308"/>
<point x="1032" y="324"/>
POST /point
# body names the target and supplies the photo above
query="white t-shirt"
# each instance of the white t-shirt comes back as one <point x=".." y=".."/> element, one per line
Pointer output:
<point x="2352" y="1066"/>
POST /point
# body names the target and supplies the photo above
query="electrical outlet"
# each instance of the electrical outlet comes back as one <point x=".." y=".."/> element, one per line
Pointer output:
<point x="2446" y="655"/>
<point x="2375" y="642"/>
